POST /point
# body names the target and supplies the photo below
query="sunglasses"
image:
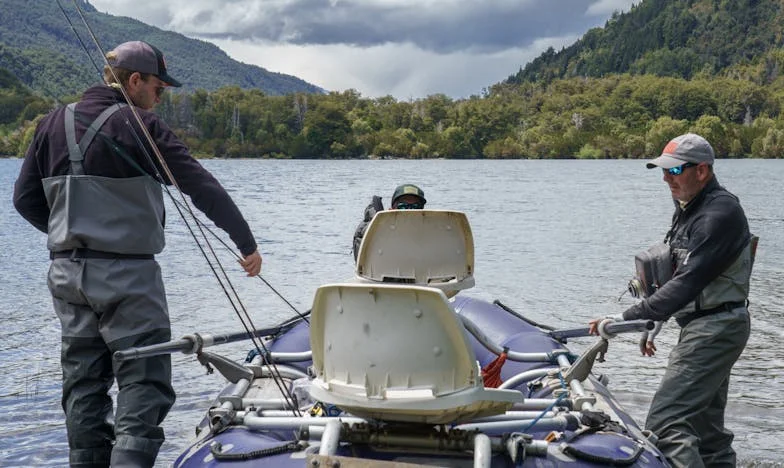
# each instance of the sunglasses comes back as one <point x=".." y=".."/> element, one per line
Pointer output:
<point x="678" y="170"/>
<point x="409" y="206"/>
<point x="159" y="90"/>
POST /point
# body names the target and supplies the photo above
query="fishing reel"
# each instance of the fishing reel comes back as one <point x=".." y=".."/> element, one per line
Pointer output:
<point x="636" y="288"/>
<point x="654" y="267"/>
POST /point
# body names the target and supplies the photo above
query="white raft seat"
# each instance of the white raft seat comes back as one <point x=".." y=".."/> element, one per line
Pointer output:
<point x="397" y="353"/>
<point x="432" y="248"/>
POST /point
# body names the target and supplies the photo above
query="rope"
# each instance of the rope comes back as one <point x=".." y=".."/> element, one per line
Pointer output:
<point x="491" y="373"/>
<point x="545" y="411"/>
<point x="215" y="450"/>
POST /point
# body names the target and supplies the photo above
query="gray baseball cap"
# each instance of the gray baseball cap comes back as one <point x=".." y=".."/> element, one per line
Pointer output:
<point x="687" y="148"/>
<point x="141" y="57"/>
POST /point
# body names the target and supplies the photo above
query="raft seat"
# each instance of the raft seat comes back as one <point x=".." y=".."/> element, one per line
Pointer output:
<point x="432" y="248"/>
<point x="398" y="353"/>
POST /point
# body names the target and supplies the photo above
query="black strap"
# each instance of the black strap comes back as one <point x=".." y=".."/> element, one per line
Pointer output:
<point x="726" y="307"/>
<point x="76" y="254"/>
<point x="76" y="150"/>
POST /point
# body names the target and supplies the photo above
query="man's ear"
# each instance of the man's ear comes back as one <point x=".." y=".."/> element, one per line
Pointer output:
<point x="704" y="171"/>
<point x="135" y="79"/>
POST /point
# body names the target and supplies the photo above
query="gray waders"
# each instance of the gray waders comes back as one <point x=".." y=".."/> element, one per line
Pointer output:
<point x="108" y="292"/>
<point x="687" y="412"/>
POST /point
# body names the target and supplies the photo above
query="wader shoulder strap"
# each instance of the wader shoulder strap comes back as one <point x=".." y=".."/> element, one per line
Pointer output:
<point x="76" y="151"/>
<point x="74" y="154"/>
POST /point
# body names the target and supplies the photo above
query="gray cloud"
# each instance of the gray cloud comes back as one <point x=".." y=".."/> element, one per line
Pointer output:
<point x="406" y="48"/>
<point x="441" y="26"/>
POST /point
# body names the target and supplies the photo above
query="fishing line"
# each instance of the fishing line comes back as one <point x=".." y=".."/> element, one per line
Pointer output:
<point x="237" y="256"/>
<point x="259" y="345"/>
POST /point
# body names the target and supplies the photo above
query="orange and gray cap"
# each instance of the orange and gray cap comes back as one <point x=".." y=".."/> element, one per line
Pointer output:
<point x="141" y="57"/>
<point x="688" y="148"/>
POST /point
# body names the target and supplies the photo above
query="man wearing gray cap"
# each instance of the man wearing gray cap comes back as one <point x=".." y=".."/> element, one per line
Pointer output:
<point x="88" y="182"/>
<point x="712" y="251"/>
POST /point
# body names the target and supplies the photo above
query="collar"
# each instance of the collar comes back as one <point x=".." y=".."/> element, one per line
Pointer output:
<point x="103" y="92"/>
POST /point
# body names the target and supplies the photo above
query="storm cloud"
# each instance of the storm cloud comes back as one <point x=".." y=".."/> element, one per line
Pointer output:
<point x="405" y="37"/>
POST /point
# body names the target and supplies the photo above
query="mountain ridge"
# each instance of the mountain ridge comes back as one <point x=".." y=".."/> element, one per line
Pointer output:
<point x="40" y="47"/>
<point x="679" y="38"/>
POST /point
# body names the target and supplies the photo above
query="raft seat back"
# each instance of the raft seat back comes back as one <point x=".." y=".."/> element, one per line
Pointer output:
<point x="423" y="247"/>
<point x="397" y="353"/>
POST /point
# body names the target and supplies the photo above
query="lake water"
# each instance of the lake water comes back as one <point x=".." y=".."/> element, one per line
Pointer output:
<point x="555" y="240"/>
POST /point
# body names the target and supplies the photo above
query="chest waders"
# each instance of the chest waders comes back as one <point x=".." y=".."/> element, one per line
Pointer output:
<point x="108" y="293"/>
<point x="687" y="410"/>
<point x="121" y="216"/>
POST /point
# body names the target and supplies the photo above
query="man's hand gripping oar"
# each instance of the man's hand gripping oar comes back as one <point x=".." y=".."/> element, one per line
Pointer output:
<point x="647" y="346"/>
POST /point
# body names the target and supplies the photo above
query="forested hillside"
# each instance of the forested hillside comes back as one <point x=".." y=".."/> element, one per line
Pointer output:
<point x="680" y="38"/>
<point x="39" y="47"/>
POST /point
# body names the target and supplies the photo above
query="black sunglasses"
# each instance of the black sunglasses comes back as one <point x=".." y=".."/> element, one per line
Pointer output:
<point x="409" y="206"/>
<point x="678" y="170"/>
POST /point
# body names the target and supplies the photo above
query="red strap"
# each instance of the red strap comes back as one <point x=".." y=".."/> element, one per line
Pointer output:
<point x="491" y="373"/>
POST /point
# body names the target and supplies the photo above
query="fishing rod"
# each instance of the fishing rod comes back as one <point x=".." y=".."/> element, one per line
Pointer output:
<point x="230" y="291"/>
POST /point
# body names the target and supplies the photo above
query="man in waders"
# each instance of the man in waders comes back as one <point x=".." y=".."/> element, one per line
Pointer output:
<point x="405" y="197"/>
<point x="712" y="251"/>
<point x="87" y="183"/>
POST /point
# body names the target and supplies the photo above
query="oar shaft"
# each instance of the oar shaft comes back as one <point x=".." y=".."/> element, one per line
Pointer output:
<point x="190" y="344"/>
<point x="615" y="327"/>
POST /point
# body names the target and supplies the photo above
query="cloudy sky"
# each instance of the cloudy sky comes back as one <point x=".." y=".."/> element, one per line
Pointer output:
<point x="405" y="48"/>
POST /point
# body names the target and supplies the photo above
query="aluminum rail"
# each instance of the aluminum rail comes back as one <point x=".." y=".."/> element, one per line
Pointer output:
<point x="282" y="370"/>
<point x="533" y="404"/>
<point x="518" y="379"/>
<point x="263" y="423"/>
<point x="583" y="402"/>
<point x="474" y="330"/>
<point x="557" y="423"/>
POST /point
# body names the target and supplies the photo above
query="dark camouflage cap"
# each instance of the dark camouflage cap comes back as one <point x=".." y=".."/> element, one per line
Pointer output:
<point x="408" y="189"/>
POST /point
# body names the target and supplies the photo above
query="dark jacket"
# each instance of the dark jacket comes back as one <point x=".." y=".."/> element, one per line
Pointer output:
<point x="713" y="231"/>
<point x="47" y="156"/>
<point x="370" y="212"/>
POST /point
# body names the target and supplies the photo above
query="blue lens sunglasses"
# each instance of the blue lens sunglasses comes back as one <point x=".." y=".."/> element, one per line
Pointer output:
<point x="678" y="170"/>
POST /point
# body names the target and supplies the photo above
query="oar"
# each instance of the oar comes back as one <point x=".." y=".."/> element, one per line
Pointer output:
<point x="194" y="343"/>
<point x="611" y="328"/>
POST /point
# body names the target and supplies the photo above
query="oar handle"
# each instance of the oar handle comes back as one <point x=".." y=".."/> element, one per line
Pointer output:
<point x="182" y="345"/>
<point x="195" y="342"/>
<point x="612" y="328"/>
